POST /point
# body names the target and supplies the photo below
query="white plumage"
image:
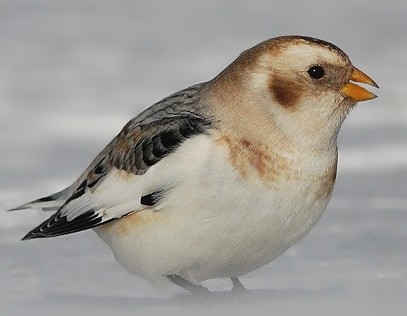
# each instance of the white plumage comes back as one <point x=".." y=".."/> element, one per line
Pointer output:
<point x="220" y="178"/>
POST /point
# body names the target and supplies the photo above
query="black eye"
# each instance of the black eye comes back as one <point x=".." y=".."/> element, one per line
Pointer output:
<point x="316" y="72"/>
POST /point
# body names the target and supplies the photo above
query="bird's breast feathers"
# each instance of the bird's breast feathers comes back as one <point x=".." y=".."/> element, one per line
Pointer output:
<point x="222" y="193"/>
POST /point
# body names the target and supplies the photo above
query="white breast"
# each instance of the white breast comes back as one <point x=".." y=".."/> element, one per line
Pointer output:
<point x="213" y="222"/>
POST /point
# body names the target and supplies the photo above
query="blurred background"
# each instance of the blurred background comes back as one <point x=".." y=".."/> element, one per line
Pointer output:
<point x="72" y="73"/>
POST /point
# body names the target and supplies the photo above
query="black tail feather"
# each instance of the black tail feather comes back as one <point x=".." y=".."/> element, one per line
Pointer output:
<point x="58" y="225"/>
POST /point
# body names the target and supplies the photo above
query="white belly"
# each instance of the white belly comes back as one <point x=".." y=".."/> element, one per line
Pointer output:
<point x="213" y="222"/>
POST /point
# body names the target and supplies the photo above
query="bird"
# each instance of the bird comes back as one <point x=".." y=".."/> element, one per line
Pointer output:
<point x="220" y="178"/>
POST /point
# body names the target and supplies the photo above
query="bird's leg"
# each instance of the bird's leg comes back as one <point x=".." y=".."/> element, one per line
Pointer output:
<point x="237" y="285"/>
<point x="194" y="289"/>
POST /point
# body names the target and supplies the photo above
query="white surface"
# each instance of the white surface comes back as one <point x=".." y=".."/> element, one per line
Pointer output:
<point x="73" y="72"/>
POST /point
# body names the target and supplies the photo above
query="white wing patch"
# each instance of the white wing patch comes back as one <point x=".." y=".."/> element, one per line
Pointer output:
<point x="117" y="194"/>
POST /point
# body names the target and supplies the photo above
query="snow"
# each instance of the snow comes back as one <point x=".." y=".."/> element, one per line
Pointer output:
<point x="73" y="72"/>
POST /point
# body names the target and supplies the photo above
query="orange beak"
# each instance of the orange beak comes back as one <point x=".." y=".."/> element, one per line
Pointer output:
<point x="355" y="92"/>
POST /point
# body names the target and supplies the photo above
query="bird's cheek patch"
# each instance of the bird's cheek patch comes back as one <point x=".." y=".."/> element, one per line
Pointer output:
<point x="285" y="92"/>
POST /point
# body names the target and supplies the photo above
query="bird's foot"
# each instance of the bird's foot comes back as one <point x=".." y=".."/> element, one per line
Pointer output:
<point x="238" y="287"/>
<point x="194" y="289"/>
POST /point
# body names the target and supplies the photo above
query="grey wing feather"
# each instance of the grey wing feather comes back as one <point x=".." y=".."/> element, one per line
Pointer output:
<point x="55" y="201"/>
<point x="49" y="203"/>
<point x="140" y="134"/>
<point x="143" y="142"/>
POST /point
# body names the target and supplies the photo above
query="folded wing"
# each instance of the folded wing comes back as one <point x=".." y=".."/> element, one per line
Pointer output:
<point x="113" y="185"/>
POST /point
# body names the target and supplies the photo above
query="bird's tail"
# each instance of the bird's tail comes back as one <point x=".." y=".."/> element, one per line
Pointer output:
<point x="49" y="203"/>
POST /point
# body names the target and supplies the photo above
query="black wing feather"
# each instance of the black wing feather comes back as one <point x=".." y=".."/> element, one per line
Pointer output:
<point x="58" y="225"/>
<point x="143" y="142"/>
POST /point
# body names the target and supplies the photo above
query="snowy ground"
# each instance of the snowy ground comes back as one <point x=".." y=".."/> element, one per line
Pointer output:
<point x="73" y="72"/>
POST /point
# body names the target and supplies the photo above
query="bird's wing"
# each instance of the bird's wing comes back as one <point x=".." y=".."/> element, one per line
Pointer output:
<point x="112" y="186"/>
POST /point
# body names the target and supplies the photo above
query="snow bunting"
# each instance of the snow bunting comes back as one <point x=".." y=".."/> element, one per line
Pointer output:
<point x="219" y="179"/>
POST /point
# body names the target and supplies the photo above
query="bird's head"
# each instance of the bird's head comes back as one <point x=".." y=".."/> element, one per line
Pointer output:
<point x="305" y="85"/>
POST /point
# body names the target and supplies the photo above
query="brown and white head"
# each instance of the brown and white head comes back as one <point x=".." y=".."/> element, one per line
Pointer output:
<point x="302" y="85"/>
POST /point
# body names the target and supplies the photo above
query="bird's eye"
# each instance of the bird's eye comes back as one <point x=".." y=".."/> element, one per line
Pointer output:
<point x="316" y="72"/>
